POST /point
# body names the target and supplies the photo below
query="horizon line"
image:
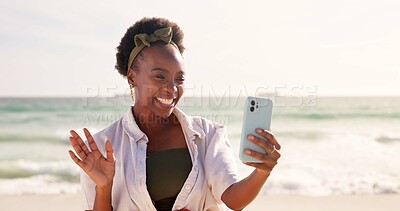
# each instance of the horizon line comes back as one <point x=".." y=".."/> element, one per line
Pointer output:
<point x="317" y="96"/>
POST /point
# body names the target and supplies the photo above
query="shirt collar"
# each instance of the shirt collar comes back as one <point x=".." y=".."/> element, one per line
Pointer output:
<point x="190" y="126"/>
<point x="130" y="126"/>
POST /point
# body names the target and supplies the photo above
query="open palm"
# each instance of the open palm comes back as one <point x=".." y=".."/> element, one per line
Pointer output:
<point x="99" y="168"/>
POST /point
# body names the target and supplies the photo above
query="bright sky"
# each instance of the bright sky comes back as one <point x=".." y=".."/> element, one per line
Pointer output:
<point x="342" y="47"/>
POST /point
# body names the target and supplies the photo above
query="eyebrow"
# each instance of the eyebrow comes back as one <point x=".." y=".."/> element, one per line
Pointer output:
<point x="164" y="70"/>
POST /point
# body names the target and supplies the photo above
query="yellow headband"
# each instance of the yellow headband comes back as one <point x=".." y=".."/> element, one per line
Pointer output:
<point x="143" y="40"/>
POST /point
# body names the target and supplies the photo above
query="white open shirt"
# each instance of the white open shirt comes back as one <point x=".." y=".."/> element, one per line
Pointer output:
<point x="213" y="165"/>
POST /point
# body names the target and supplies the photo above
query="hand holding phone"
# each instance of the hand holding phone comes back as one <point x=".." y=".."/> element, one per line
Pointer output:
<point x="257" y="114"/>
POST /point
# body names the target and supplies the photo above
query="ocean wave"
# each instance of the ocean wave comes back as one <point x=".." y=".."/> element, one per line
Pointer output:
<point x="387" y="139"/>
<point x="302" y="180"/>
<point x="340" y="163"/>
<point x="314" y="187"/>
<point x="29" y="177"/>
<point x="32" y="137"/>
<point x="39" y="184"/>
<point x="63" y="170"/>
<point x="333" y="116"/>
<point x="302" y="135"/>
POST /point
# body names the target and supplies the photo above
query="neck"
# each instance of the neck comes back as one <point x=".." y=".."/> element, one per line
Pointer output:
<point x="148" y="121"/>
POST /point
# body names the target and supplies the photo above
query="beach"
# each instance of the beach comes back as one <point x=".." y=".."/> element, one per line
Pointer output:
<point x="326" y="203"/>
<point x="338" y="153"/>
<point x="71" y="202"/>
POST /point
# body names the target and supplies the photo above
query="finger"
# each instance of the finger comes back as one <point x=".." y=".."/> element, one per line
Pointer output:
<point x="269" y="149"/>
<point x="269" y="136"/>
<point x="75" y="159"/>
<point x="264" y="144"/>
<point x="90" y="139"/>
<point x="274" y="154"/>
<point x="79" y="141"/>
<point x="110" y="152"/>
<point x="259" y="156"/>
<point x="78" y="149"/>
<point x="266" y="160"/>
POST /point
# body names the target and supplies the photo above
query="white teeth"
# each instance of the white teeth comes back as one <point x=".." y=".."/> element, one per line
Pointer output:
<point x="165" y="101"/>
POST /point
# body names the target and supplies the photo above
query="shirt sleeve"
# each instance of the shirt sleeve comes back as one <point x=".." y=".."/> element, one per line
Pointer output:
<point x="88" y="186"/>
<point x="88" y="191"/>
<point x="220" y="165"/>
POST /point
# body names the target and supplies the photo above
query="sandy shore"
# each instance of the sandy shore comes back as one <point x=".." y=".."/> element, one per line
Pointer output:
<point x="71" y="202"/>
<point x="326" y="203"/>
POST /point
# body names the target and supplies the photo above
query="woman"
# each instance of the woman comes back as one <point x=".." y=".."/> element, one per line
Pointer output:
<point x="155" y="157"/>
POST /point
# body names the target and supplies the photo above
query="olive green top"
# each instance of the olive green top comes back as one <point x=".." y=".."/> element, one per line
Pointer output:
<point x="166" y="172"/>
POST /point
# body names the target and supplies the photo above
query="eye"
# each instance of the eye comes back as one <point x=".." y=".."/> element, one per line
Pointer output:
<point x="160" y="76"/>
<point x="181" y="78"/>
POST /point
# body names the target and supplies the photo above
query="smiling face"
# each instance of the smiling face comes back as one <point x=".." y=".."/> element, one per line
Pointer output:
<point x="158" y="80"/>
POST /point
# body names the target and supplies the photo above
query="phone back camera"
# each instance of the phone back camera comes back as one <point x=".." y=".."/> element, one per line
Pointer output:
<point x="253" y="102"/>
<point x="251" y="108"/>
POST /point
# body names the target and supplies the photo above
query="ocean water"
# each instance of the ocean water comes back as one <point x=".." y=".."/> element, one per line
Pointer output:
<point x="330" y="145"/>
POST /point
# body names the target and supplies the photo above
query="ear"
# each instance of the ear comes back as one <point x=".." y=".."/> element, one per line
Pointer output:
<point x="131" y="75"/>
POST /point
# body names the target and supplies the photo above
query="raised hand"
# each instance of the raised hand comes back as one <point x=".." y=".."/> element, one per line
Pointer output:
<point x="100" y="169"/>
<point x="270" y="146"/>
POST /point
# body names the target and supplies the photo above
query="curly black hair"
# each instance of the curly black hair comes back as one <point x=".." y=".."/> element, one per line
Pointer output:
<point x="145" y="25"/>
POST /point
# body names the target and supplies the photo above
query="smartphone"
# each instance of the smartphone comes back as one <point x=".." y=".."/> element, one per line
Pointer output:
<point x="257" y="114"/>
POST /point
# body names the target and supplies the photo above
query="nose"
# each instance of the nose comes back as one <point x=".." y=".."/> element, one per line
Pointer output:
<point x="170" y="87"/>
